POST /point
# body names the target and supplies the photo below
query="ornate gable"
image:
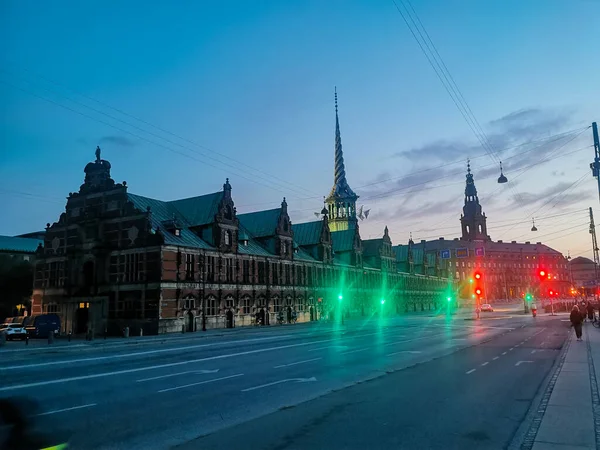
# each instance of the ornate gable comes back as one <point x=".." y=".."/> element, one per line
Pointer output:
<point x="226" y="224"/>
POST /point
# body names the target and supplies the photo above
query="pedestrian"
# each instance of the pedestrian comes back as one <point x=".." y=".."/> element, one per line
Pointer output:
<point x="590" y="311"/>
<point x="576" y="321"/>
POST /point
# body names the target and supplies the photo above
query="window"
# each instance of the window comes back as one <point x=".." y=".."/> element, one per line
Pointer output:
<point x="132" y="267"/>
<point x="210" y="269"/>
<point x="288" y="274"/>
<point x="245" y="305"/>
<point x="275" y="273"/>
<point x="229" y="302"/>
<point x="190" y="265"/>
<point x="276" y="303"/>
<point x="229" y="270"/>
<point x="261" y="273"/>
<point x="211" y="306"/>
<point x="189" y="302"/>
<point x="52" y="308"/>
<point x="245" y="271"/>
<point x="227" y="237"/>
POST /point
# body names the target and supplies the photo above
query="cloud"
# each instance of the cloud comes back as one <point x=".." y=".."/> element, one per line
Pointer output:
<point x="117" y="140"/>
<point x="515" y="137"/>
<point x="556" y="173"/>
<point x="558" y="194"/>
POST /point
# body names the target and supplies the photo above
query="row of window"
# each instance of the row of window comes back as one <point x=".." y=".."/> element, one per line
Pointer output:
<point x="507" y="265"/>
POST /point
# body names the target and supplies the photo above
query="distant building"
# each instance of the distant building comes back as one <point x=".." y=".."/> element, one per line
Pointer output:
<point x="116" y="259"/>
<point x="509" y="270"/>
<point x="19" y="248"/>
<point x="584" y="274"/>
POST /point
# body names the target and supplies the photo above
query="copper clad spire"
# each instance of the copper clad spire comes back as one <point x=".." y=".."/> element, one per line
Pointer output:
<point x="340" y="189"/>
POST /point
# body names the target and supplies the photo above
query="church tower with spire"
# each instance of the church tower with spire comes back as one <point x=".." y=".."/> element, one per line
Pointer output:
<point x="341" y="202"/>
<point x="473" y="220"/>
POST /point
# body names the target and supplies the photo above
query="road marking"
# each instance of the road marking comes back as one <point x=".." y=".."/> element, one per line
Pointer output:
<point x="174" y="364"/>
<point x="485" y="363"/>
<point x="471" y="371"/>
<point x="403" y="351"/>
<point x="56" y="411"/>
<point x="504" y="353"/>
<point x="341" y="347"/>
<point x="511" y="349"/>
<point x="295" y="380"/>
<point x="128" y="355"/>
<point x="521" y="362"/>
<point x="201" y="382"/>
<point x="296" y="363"/>
<point x="355" y="351"/>
<point x="495" y="358"/>
<point x="177" y="374"/>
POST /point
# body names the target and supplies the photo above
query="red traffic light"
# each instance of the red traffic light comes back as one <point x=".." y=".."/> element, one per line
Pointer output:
<point x="551" y="292"/>
<point x="478" y="291"/>
<point x="478" y="275"/>
<point x="542" y="273"/>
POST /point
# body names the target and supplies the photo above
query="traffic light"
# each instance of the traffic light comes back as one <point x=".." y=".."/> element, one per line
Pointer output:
<point x="449" y="299"/>
<point x="382" y="301"/>
<point x="542" y="274"/>
<point x="478" y="275"/>
<point x="528" y="297"/>
<point x="340" y="297"/>
<point x="551" y="292"/>
<point x="478" y="291"/>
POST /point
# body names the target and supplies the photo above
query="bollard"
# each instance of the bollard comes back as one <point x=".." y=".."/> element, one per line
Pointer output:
<point x="51" y="338"/>
<point x="2" y="339"/>
<point x="69" y="336"/>
<point x="141" y="331"/>
<point x="126" y="332"/>
<point x="27" y="339"/>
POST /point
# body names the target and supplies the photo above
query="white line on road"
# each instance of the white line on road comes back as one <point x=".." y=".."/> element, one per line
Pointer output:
<point x="495" y="358"/>
<point x="471" y="371"/>
<point x="296" y="380"/>
<point x="149" y="352"/>
<point x="511" y="349"/>
<point x="504" y="353"/>
<point x="56" y="411"/>
<point x="177" y="374"/>
<point x="485" y="363"/>
<point x="174" y="364"/>
<point x="521" y="362"/>
<point x="341" y="347"/>
<point x="355" y="351"/>
<point x="403" y="351"/>
<point x="201" y="382"/>
<point x="296" y="363"/>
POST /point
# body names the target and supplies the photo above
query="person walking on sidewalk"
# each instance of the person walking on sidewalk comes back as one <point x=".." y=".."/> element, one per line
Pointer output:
<point x="576" y="320"/>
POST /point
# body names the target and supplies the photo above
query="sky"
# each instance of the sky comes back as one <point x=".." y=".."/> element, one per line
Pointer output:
<point x="181" y="95"/>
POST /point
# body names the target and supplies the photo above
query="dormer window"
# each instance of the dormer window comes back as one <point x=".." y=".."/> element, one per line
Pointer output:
<point x="177" y="232"/>
<point x="227" y="237"/>
<point x="245" y="243"/>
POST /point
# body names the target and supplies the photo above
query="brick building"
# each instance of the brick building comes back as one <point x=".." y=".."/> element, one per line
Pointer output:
<point x="116" y="259"/>
<point x="509" y="269"/>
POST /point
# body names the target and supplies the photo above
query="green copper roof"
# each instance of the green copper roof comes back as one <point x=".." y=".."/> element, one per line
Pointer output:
<point x="343" y="241"/>
<point x="164" y="211"/>
<point x="431" y="259"/>
<point x="261" y="223"/>
<point x="371" y="246"/>
<point x="199" y="210"/>
<point x="308" y="233"/>
<point x="301" y="255"/>
<point x="417" y="256"/>
<point x="401" y="253"/>
<point x="19" y="245"/>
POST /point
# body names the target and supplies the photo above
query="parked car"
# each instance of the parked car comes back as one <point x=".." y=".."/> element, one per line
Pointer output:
<point x="42" y="325"/>
<point x="13" y="331"/>
<point x="487" y="307"/>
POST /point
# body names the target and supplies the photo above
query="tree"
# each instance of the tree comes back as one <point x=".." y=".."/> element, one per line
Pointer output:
<point x="16" y="282"/>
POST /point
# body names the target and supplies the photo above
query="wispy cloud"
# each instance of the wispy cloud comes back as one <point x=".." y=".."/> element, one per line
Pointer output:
<point x="555" y="195"/>
<point x="117" y="140"/>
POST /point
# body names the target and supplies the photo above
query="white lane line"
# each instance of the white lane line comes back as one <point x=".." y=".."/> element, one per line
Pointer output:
<point x="296" y="380"/>
<point x="511" y="349"/>
<point x="341" y="347"/>
<point x="485" y="363"/>
<point x="174" y="364"/>
<point x="403" y="351"/>
<point x="504" y="353"/>
<point x="296" y="363"/>
<point x="495" y="358"/>
<point x="149" y="352"/>
<point x="355" y="351"/>
<point x="459" y="339"/>
<point x="199" y="372"/>
<point x="521" y="362"/>
<point x="471" y="371"/>
<point x="201" y="382"/>
<point x="533" y="351"/>
<point x="56" y="411"/>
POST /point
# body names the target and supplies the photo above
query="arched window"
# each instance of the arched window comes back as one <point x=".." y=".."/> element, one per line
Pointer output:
<point x="286" y="225"/>
<point x="227" y="237"/>
<point x="228" y="212"/>
<point x="480" y="228"/>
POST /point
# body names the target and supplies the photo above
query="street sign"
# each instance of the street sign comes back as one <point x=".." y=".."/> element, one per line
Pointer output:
<point x="445" y="254"/>
<point x="462" y="252"/>
<point x="479" y="251"/>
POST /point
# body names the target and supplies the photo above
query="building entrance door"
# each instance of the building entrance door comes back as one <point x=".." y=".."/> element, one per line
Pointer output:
<point x="82" y="315"/>
<point x="190" y="321"/>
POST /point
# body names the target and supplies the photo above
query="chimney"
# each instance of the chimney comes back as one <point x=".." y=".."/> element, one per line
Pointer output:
<point x="538" y="243"/>
<point x="441" y="239"/>
<point x="499" y="241"/>
<point x="527" y="242"/>
<point x="423" y="241"/>
<point x="513" y="242"/>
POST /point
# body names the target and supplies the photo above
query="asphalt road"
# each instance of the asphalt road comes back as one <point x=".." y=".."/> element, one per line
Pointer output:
<point x="434" y="383"/>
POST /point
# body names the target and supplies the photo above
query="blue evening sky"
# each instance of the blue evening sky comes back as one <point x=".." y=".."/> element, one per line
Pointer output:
<point x="181" y="95"/>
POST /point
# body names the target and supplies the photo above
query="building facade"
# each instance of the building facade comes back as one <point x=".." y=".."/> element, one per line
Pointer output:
<point x="509" y="270"/>
<point x="115" y="259"/>
<point x="584" y="275"/>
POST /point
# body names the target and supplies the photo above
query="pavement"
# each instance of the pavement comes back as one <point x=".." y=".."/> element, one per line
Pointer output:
<point x="416" y="381"/>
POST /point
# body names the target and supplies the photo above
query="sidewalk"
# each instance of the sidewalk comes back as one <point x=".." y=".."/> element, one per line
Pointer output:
<point x="568" y="416"/>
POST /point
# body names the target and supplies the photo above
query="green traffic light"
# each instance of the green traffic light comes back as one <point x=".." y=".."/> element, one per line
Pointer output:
<point x="382" y="301"/>
<point x="471" y="280"/>
<point x="340" y="297"/>
<point x="449" y="299"/>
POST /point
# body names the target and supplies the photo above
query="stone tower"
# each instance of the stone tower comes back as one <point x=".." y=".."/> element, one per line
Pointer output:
<point x="473" y="220"/>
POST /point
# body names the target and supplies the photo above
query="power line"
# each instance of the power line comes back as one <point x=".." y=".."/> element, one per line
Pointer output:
<point x="153" y="126"/>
